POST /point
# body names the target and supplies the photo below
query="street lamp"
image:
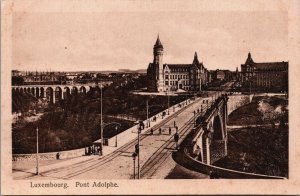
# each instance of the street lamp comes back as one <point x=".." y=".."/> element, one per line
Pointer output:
<point x="148" y="121"/>
<point x="133" y="157"/>
<point x="194" y="118"/>
<point x="37" y="151"/>
<point x="138" y="150"/>
<point x="101" y="126"/>
<point x="116" y="136"/>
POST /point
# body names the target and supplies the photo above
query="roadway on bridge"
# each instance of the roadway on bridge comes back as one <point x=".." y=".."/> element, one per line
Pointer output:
<point x="155" y="153"/>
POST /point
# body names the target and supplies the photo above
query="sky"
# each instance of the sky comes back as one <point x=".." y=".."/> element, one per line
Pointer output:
<point x="96" y="41"/>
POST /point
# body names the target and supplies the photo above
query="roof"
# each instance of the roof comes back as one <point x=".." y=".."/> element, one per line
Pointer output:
<point x="282" y="66"/>
<point x="176" y="66"/>
<point x="271" y="65"/>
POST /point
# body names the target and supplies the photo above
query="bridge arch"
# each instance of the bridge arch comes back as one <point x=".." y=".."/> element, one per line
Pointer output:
<point x="50" y="94"/>
<point x="58" y="94"/>
<point x="42" y="93"/>
<point x="28" y="90"/>
<point x="74" y="90"/>
<point x="82" y="90"/>
<point x="33" y="91"/>
<point x="37" y="92"/>
<point x="66" y="93"/>
<point x="218" y="133"/>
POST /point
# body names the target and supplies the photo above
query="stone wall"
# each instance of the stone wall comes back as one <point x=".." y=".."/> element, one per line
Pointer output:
<point x="217" y="150"/>
<point x="182" y="158"/>
<point x="49" y="156"/>
<point x="238" y="100"/>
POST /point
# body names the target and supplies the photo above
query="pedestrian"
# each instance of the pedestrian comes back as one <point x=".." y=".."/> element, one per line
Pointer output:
<point x="151" y="131"/>
<point x="159" y="131"/>
<point x="170" y="131"/>
<point x="57" y="155"/>
<point x="89" y="150"/>
<point x="174" y="123"/>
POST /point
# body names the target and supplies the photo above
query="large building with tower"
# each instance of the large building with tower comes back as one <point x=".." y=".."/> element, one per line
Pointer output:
<point x="266" y="77"/>
<point x="174" y="77"/>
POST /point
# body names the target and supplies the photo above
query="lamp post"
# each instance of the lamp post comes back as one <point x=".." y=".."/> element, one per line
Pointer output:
<point x="138" y="154"/>
<point x="148" y="122"/>
<point x="101" y="119"/>
<point x="133" y="157"/>
<point x="116" y="136"/>
<point x="194" y="118"/>
<point x="37" y="151"/>
<point x="168" y="103"/>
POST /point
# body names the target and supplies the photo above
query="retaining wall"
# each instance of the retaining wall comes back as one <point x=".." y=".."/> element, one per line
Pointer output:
<point x="50" y="155"/>
<point x="182" y="158"/>
<point x="237" y="100"/>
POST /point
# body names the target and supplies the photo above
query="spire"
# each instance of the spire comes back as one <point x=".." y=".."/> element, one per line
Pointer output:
<point x="195" y="61"/>
<point x="158" y="43"/>
<point x="249" y="59"/>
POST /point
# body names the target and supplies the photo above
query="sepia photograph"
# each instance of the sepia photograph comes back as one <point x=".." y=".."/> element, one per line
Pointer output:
<point x="124" y="97"/>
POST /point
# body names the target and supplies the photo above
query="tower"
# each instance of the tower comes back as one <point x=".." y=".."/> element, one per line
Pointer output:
<point x="158" y="52"/>
<point x="196" y="61"/>
<point x="249" y="59"/>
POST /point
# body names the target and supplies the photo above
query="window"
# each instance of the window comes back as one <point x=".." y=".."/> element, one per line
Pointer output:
<point x="167" y="83"/>
<point x="167" y="77"/>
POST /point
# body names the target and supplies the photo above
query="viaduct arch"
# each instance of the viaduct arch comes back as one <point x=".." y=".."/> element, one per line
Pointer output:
<point x="54" y="93"/>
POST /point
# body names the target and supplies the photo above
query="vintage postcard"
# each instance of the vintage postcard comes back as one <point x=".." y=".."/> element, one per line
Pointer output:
<point x="150" y="97"/>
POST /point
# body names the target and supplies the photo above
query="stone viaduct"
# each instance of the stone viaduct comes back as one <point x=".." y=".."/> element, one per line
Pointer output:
<point x="54" y="93"/>
<point x="209" y="142"/>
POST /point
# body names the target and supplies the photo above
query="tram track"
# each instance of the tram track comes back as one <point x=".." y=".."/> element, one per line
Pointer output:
<point x="161" y="155"/>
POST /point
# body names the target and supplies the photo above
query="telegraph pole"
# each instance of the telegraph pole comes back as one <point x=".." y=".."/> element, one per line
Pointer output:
<point x="37" y="151"/>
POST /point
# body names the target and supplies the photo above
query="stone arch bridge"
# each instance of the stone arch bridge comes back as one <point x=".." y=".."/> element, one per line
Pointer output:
<point x="54" y="93"/>
<point x="209" y="140"/>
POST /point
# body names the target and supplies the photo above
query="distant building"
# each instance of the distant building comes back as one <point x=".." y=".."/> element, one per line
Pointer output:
<point x="172" y="77"/>
<point x="269" y="76"/>
<point x="44" y="78"/>
<point x="16" y="73"/>
<point x="221" y="75"/>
